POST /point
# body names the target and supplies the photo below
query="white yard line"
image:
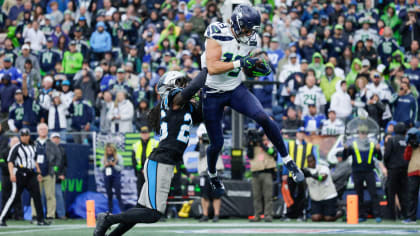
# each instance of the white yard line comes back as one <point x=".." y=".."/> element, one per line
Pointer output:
<point x="245" y="224"/>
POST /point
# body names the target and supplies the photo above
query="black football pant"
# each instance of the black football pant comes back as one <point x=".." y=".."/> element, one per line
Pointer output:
<point x="131" y="217"/>
<point x="413" y="195"/>
<point x="25" y="179"/>
<point x="369" y="177"/>
<point x="6" y="190"/>
<point x="397" y="184"/>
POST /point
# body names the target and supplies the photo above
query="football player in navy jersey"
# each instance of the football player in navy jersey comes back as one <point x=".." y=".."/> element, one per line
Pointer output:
<point x="173" y="117"/>
<point x="229" y="48"/>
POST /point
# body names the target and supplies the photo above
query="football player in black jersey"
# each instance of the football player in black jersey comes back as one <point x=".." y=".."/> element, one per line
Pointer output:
<point x="173" y="116"/>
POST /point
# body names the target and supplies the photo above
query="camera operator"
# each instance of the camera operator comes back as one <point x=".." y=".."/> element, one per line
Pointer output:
<point x="263" y="158"/>
<point x="205" y="188"/>
<point x="321" y="191"/>
<point x="412" y="155"/>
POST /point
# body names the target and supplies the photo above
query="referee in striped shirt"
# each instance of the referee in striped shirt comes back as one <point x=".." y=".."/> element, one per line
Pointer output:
<point x="24" y="173"/>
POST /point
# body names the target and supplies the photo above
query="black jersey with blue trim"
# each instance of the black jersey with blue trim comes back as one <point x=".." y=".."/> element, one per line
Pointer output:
<point x="175" y="128"/>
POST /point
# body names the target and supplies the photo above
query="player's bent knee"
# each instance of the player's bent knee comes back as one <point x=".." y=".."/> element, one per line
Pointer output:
<point x="316" y="218"/>
<point x="153" y="216"/>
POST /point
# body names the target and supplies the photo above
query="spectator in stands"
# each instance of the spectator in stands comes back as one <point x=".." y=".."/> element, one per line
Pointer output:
<point x="13" y="72"/>
<point x="313" y="121"/>
<point x="141" y="114"/>
<point x="33" y="77"/>
<point x="356" y="67"/>
<point x="298" y="189"/>
<point x="57" y="114"/>
<point x="410" y="29"/>
<point x="405" y="106"/>
<point x="363" y="152"/>
<point x="387" y="46"/>
<point x="82" y="116"/>
<point x="25" y="111"/>
<point x="100" y="41"/>
<point x="341" y="101"/>
<point x="88" y="85"/>
<point x="33" y="34"/>
<point x="329" y="81"/>
<point x="120" y="84"/>
<point x="104" y="105"/>
<point x="205" y="188"/>
<point x="112" y="165"/>
<point x="49" y="57"/>
<point x="48" y="156"/>
<point x="7" y="91"/>
<point x="72" y="61"/>
<point x="413" y="72"/>
<point x="412" y="155"/>
<point x="310" y="93"/>
<point x="44" y="98"/>
<point x="397" y="181"/>
<point x="291" y="122"/>
<point x="141" y="152"/>
<point x="60" y="176"/>
<point x="263" y="159"/>
<point x="321" y="191"/>
<point x="332" y="126"/>
<point x="121" y="115"/>
<point x="380" y="88"/>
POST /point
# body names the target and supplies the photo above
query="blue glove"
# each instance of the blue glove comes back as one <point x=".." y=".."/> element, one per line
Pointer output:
<point x="248" y="62"/>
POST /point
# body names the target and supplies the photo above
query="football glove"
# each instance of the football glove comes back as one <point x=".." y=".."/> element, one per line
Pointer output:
<point x="249" y="62"/>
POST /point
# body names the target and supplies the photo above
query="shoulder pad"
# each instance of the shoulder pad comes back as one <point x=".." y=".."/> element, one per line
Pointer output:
<point x="218" y="31"/>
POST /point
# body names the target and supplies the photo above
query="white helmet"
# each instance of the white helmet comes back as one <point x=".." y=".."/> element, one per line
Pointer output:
<point x="170" y="80"/>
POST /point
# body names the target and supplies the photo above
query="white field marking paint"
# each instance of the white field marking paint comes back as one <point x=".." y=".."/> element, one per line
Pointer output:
<point x="40" y="229"/>
<point x="288" y="231"/>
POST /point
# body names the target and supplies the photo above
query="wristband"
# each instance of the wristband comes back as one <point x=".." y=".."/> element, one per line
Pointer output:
<point x="236" y="64"/>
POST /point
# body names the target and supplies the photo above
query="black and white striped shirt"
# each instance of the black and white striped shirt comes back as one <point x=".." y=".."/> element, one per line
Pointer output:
<point x="22" y="156"/>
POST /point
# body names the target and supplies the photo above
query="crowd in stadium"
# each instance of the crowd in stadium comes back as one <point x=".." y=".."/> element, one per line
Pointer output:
<point x="93" y="65"/>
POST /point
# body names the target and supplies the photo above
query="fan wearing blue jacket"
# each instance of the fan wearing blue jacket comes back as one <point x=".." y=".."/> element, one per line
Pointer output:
<point x="100" y="41"/>
<point x="405" y="106"/>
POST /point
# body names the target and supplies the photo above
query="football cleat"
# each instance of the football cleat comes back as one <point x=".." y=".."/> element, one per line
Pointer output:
<point x="217" y="187"/>
<point x="102" y="225"/>
<point x="297" y="174"/>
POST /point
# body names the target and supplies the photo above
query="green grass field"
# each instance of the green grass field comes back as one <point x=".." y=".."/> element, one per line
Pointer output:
<point x="224" y="227"/>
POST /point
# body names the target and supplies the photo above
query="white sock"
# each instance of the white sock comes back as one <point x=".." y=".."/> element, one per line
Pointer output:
<point x="286" y="159"/>
<point x="212" y="175"/>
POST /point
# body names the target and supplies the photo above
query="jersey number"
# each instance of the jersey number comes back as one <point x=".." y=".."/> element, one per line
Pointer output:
<point x="227" y="57"/>
<point x="184" y="131"/>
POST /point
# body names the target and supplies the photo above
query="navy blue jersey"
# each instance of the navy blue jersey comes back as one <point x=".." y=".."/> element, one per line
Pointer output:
<point x="48" y="59"/>
<point x="174" y="129"/>
<point x="27" y="112"/>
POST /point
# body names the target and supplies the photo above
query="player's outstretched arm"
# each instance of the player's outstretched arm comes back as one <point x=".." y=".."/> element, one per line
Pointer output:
<point x="216" y="66"/>
<point x="192" y="88"/>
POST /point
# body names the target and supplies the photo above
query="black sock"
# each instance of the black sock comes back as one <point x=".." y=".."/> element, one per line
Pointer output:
<point x="134" y="216"/>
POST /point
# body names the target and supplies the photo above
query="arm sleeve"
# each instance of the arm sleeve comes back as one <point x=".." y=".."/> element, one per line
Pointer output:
<point x="12" y="154"/>
<point x="198" y="82"/>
